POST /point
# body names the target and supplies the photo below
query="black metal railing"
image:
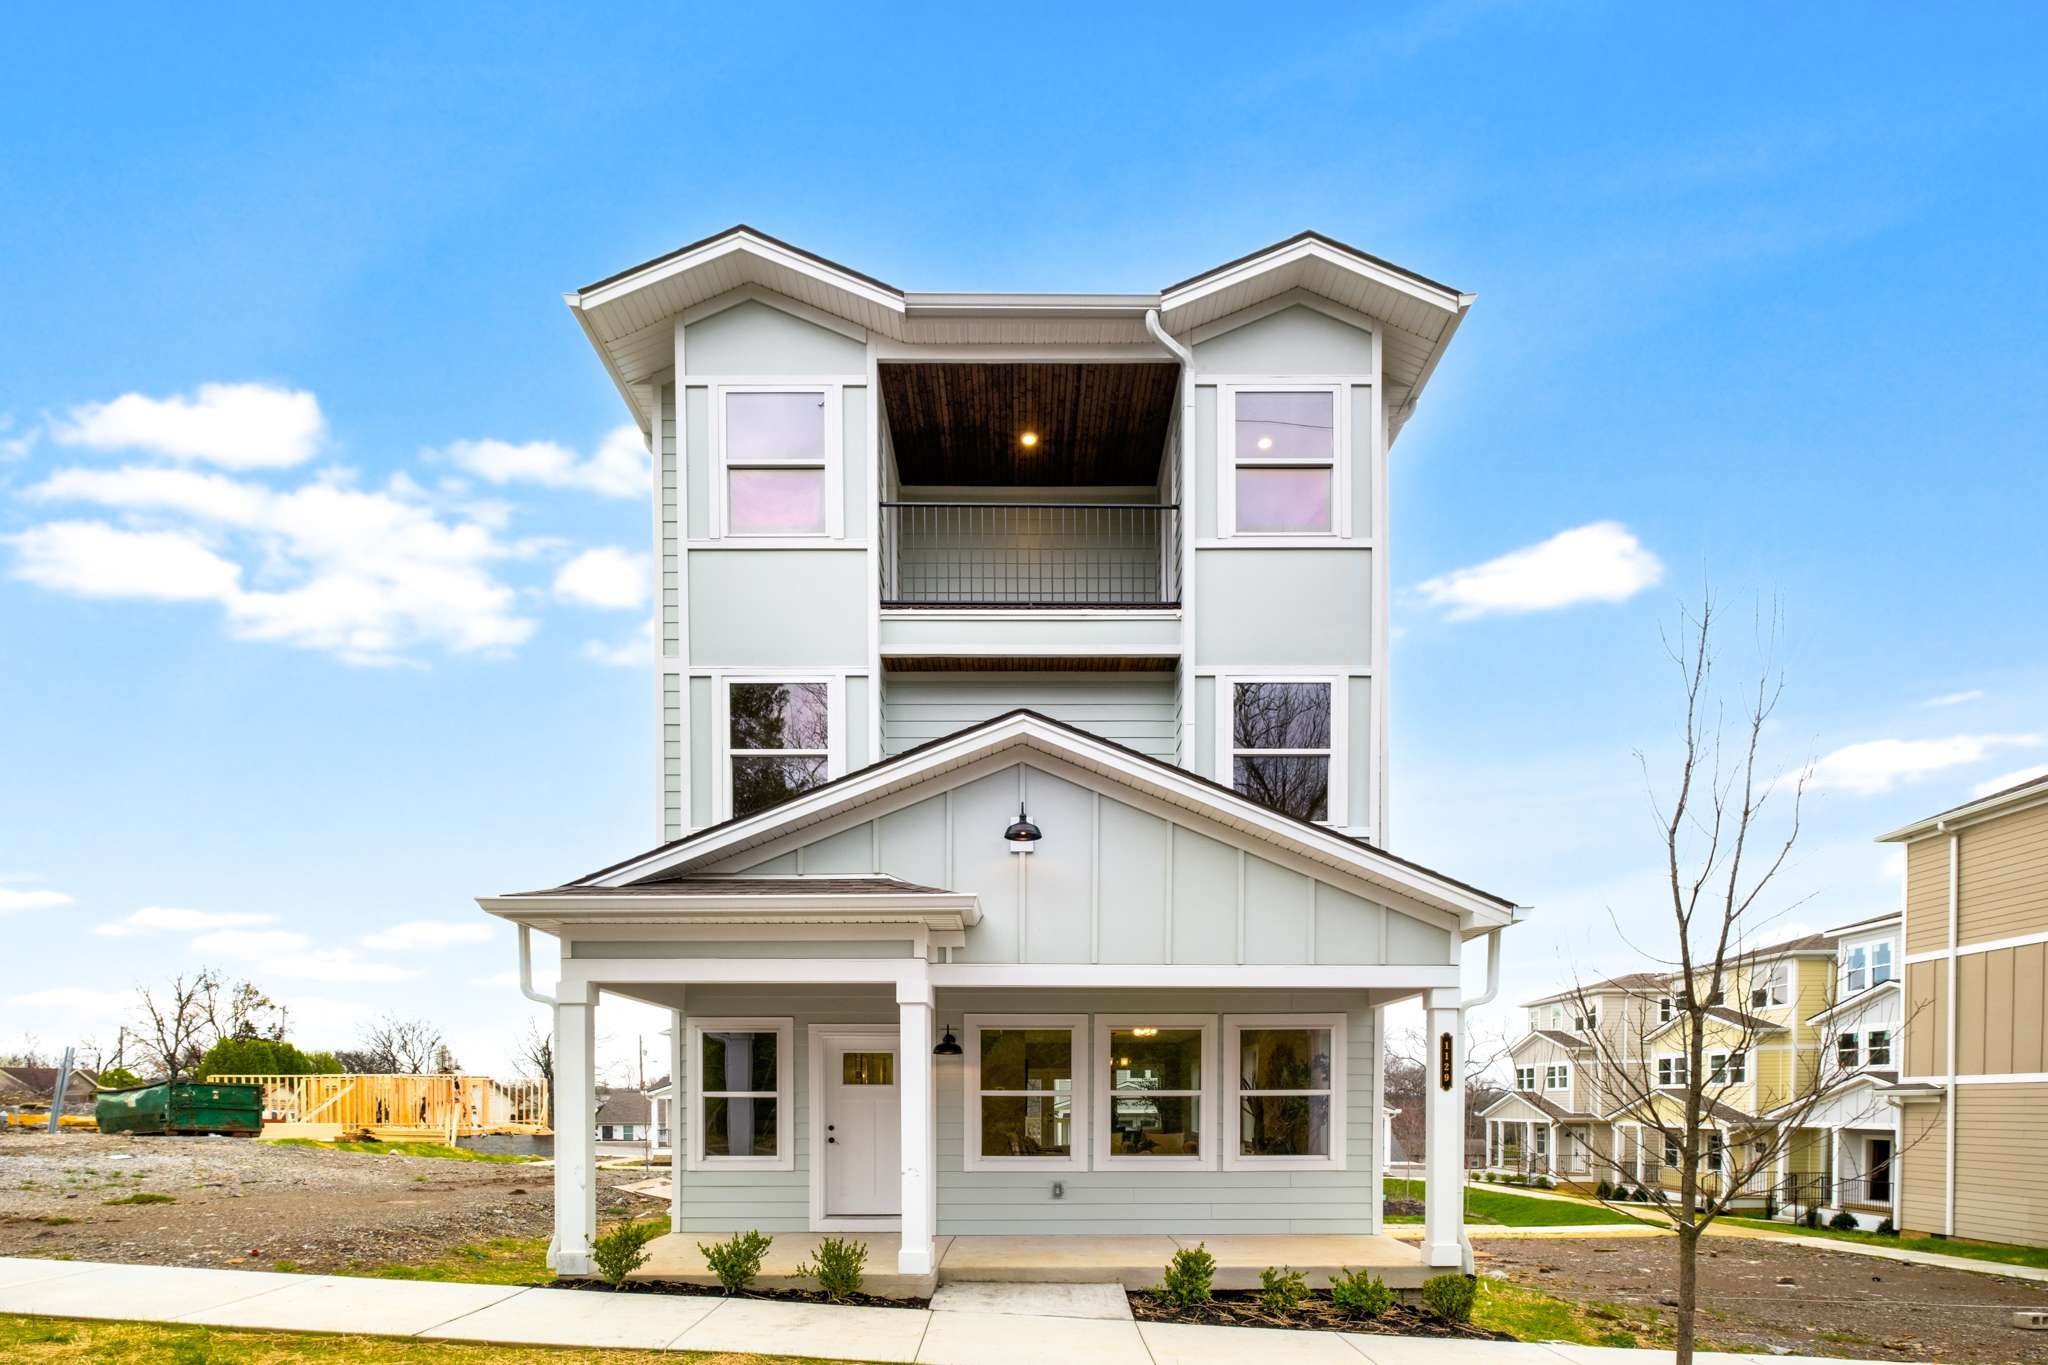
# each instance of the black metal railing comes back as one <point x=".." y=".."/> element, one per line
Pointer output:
<point x="1040" y="554"/>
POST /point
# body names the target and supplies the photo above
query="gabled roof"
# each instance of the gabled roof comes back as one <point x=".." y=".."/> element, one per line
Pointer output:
<point x="628" y="316"/>
<point x="1868" y="995"/>
<point x="1024" y="733"/>
<point x="742" y="900"/>
<point x="1570" y="1041"/>
<point x="41" y="1080"/>
<point x="1748" y="1023"/>
<point x="1549" y="1109"/>
<point x="1865" y="925"/>
<point x="1631" y="981"/>
<point x="1989" y="807"/>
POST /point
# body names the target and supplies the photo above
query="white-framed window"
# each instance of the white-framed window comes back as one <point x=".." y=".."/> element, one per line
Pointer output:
<point x="1769" y="988"/>
<point x="1671" y="1070"/>
<point x="1154" y="1077"/>
<point x="1541" y="1133"/>
<point x="1557" y="1076"/>
<point x="1666" y="1009"/>
<point x="1848" y="1051"/>
<point x="1588" y="1021"/>
<point x="777" y="447"/>
<point x="1880" y="962"/>
<point x="1855" y="970"/>
<point x="1556" y="1015"/>
<point x="1283" y="1076"/>
<point x="1672" y="1154"/>
<point x="1283" y="741"/>
<point x="1877" y="1047"/>
<point x="740" y="1101"/>
<point x="1718" y="996"/>
<point x="1026" y="1087"/>
<point x="1284" y="465"/>
<point x="1732" y="1067"/>
<point x="1525" y="1078"/>
<point x="1717" y="1149"/>
<point x="781" y="739"/>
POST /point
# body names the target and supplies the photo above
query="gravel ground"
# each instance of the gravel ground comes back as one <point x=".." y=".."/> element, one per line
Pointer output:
<point x="321" y="1209"/>
<point x="1803" y="1299"/>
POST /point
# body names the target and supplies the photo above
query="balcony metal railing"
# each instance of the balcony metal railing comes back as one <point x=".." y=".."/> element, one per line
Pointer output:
<point x="1043" y="554"/>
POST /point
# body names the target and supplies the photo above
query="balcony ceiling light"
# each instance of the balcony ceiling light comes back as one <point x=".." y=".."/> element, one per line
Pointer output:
<point x="1028" y="439"/>
<point x="1265" y="443"/>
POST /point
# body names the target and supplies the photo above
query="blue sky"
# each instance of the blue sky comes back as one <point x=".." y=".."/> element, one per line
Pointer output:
<point x="1761" y="289"/>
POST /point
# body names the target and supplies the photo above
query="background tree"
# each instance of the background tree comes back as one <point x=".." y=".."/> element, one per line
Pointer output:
<point x="1409" y="1071"/>
<point x="394" y="1046"/>
<point x="262" y="1057"/>
<point x="535" y="1059"/>
<point x="172" y="1023"/>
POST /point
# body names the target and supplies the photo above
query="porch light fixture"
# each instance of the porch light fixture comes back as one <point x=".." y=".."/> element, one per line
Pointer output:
<point x="1022" y="834"/>
<point x="1144" y="1033"/>
<point x="948" y="1046"/>
<point x="1028" y="439"/>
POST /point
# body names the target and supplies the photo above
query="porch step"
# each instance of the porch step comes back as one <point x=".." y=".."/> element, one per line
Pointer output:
<point x="1034" y="1300"/>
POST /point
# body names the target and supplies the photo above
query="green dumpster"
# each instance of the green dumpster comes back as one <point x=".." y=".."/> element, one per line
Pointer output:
<point x="186" y="1107"/>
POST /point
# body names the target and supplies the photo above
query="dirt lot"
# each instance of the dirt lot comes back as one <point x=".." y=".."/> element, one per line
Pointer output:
<point x="1803" y="1298"/>
<point x="321" y="1209"/>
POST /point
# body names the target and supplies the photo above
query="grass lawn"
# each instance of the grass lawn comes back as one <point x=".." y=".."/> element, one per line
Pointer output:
<point x="1532" y="1315"/>
<point x="1511" y="1210"/>
<point x="1941" y="1246"/>
<point x="32" y="1341"/>
<point x="427" y="1149"/>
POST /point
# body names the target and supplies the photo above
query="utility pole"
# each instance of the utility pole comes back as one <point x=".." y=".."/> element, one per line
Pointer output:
<point x="63" y="1084"/>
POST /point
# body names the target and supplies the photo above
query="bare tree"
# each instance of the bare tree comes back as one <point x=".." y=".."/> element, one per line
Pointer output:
<point x="30" y="1053"/>
<point x="1409" y="1073"/>
<point x="172" y="1022"/>
<point x="536" y="1058"/>
<point x="394" y="1046"/>
<point x="239" y="1010"/>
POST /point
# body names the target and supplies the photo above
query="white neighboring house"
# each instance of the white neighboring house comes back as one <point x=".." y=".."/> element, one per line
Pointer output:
<point x="1021" y="859"/>
<point x="1857" y="1120"/>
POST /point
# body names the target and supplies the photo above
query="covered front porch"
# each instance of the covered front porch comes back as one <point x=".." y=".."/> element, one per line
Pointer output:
<point x="1134" y="1262"/>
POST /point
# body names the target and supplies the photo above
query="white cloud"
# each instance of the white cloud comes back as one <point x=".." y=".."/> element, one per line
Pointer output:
<point x="14" y="444"/>
<point x="367" y="575"/>
<point x="156" y="919"/>
<point x="75" y="999"/>
<point x="631" y="652"/>
<point x="426" y="934"/>
<point x="2011" y="779"/>
<point x="1600" y="562"/>
<point x="93" y="559"/>
<point x="619" y="469"/>
<point x="239" y="426"/>
<point x="1955" y="698"/>
<point x="1877" y="765"/>
<point x="607" y="577"/>
<point x="13" y="900"/>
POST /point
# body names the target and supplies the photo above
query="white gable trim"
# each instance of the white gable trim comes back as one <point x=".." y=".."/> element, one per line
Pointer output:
<point x="761" y="294"/>
<point x="1448" y="300"/>
<point x="737" y="243"/>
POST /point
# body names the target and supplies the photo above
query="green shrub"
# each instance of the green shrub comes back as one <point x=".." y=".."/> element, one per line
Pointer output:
<point x="1281" y="1289"/>
<point x="1603" y="1191"/>
<point x="1885" y="1229"/>
<point x="1448" y="1298"/>
<point x="261" y="1057"/>
<point x="1844" y="1221"/>
<point x="1190" y="1278"/>
<point x="1545" y="1182"/>
<point x="1360" y="1293"/>
<point x="737" y="1260"/>
<point x="837" y="1266"/>
<point x="1812" y="1216"/>
<point x="622" y="1249"/>
<point x="118" y="1078"/>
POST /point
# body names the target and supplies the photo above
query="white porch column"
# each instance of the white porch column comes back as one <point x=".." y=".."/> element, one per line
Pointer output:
<point x="575" y="1136"/>
<point x="914" y="1089"/>
<point x="1443" y="1218"/>
<point x="677" y="1118"/>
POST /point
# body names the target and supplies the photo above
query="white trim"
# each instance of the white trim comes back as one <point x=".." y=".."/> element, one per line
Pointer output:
<point x="1562" y="1071"/>
<point x="1336" y="810"/>
<point x="831" y="459"/>
<point x="1989" y="808"/>
<point x="695" y="1158"/>
<point x="1219" y="976"/>
<point x="1338" y="387"/>
<point x="1976" y="1078"/>
<point x="814" y="1067"/>
<point x="732" y="243"/>
<point x="950" y="614"/>
<point x="1232" y="1090"/>
<point x="1989" y="945"/>
<point x="1106" y="1092"/>
<point x="796" y="308"/>
<point x="1266" y="262"/>
<point x="1079" y="1090"/>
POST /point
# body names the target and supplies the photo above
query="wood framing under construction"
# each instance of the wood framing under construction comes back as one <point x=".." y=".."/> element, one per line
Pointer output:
<point x="398" y="1106"/>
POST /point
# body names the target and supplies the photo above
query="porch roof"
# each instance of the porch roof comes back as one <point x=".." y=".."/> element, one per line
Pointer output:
<point x="1549" y="1109"/>
<point x="1867" y="996"/>
<point x="1722" y="1014"/>
<point x="1025" y="731"/>
<point x="742" y="900"/>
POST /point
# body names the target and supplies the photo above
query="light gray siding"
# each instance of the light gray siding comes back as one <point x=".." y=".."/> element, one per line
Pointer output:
<point x="1113" y="883"/>
<point x="697" y="460"/>
<point x="756" y="339"/>
<point x="1212" y="1202"/>
<point x="778" y="608"/>
<point x="938" y="631"/>
<point x="1134" y="709"/>
<point x="1292" y="341"/>
<point x="703" y="749"/>
<point x="672" y="775"/>
<point x="671" y="545"/>
<point x="1272" y="608"/>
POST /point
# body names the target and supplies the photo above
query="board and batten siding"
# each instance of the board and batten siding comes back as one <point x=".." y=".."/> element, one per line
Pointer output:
<point x="1110" y="883"/>
<point x="1136" y="710"/>
<point x="1117" y="1200"/>
<point x="2002" y="1163"/>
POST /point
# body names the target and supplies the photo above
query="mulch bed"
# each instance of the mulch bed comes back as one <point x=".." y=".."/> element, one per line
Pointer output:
<point x="1240" y="1308"/>
<point x="712" y="1291"/>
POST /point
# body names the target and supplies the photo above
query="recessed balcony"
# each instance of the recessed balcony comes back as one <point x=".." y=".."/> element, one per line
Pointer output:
<point x="1030" y="554"/>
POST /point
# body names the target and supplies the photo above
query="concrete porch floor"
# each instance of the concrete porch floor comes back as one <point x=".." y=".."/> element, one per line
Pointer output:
<point x="1135" y="1262"/>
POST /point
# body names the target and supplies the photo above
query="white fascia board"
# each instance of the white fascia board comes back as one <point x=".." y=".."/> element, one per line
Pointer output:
<point x="1028" y="732"/>
<point x="1858" y="928"/>
<point x="1448" y="300"/>
<point x="941" y="912"/>
<point x="1991" y="807"/>
<point x="1856" y="1003"/>
<point x="747" y="243"/>
<point x="1028" y="305"/>
<point x="604" y="356"/>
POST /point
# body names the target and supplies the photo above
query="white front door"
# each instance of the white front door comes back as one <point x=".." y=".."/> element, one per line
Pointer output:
<point x="863" y="1166"/>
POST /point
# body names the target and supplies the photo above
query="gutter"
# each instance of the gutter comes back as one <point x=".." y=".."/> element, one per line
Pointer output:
<point x="1184" y="495"/>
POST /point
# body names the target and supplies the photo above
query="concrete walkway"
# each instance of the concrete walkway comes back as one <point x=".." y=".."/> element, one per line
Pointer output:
<point x="979" y="1333"/>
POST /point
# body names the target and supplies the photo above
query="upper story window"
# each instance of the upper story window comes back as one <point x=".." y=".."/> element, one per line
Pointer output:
<point x="1588" y="1021"/>
<point x="1666" y="1008"/>
<point x="1557" y="1076"/>
<point x="1556" y="1015"/>
<point x="1671" y="1071"/>
<point x="778" y="741"/>
<point x="1281" y="752"/>
<point x="1855" y="970"/>
<point x="1732" y="1067"/>
<point x="1880" y="962"/>
<point x="1877" y="1049"/>
<point x="1284" y="474"/>
<point x="1848" y="1051"/>
<point x="1525" y="1078"/>
<point x="774" y="453"/>
<point x="1769" y="988"/>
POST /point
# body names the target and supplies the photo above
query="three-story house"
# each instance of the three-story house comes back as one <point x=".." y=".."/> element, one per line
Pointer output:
<point x="1021" y="697"/>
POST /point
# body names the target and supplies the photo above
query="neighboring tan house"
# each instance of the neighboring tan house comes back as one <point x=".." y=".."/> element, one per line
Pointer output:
<point x="1974" y="1093"/>
<point x="32" y="1086"/>
<point x="1819" y="1012"/>
<point x="1021" y="795"/>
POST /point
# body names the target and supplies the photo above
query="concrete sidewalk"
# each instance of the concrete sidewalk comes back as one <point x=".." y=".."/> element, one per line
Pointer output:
<point x="505" y="1314"/>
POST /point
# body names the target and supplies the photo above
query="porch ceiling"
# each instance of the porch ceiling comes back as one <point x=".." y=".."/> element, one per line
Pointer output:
<point x="1096" y="424"/>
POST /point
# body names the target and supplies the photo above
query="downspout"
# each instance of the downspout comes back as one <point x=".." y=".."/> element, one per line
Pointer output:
<point x="1492" y="973"/>
<point x="1184" y="494"/>
<point x="526" y="970"/>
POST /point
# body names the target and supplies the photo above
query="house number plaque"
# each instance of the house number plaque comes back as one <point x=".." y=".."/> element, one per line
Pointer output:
<point x="1443" y="1061"/>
